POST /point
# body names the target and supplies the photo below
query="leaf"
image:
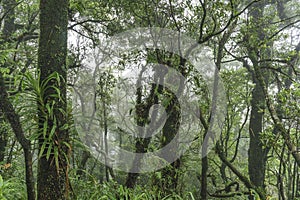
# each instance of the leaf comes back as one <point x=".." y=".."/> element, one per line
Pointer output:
<point x="64" y="127"/>
<point x="67" y="144"/>
<point x="49" y="151"/>
<point x="53" y="130"/>
<point x="1" y="182"/>
<point x="45" y="128"/>
<point x="56" y="157"/>
<point x="49" y="110"/>
<point x="42" y="149"/>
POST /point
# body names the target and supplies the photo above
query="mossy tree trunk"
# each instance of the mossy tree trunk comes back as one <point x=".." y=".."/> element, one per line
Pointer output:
<point x="257" y="152"/>
<point x="52" y="182"/>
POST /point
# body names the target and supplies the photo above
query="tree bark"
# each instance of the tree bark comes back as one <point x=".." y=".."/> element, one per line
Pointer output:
<point x="257" y="153"/>
<point x="52" y="182"/>
<point x="169" y="132"/>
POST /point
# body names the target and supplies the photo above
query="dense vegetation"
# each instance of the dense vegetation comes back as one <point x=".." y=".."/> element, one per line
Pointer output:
<point x="46" y="51"/>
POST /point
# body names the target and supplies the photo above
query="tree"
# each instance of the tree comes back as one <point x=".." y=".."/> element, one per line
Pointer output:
<point x="52" y="182"/>
<point x="255" y="46"/>
<point x="7" y="108"/>
<point x="257" y="152"/>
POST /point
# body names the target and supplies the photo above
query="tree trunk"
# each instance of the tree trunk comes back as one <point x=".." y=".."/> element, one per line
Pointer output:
<point x="7" y="108"/>
<point x="141" y="144"/>
<point x="52" y="182"/>
<point x="142" y="111"/>
<point x="169" y="132"/>
<point x="81" y="167"/>
<point x="257" y="153"/>
<point x="3" y="137"/>
<point x="7" y="31"/>
<point x="14" y="120"/>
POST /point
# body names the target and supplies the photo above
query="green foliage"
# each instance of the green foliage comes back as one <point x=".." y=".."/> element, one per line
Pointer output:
<point x="270" y="39"/>
<point x="92" y="190"/>
<point x="12" y="189"/>
<point x="37" y="93"/>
